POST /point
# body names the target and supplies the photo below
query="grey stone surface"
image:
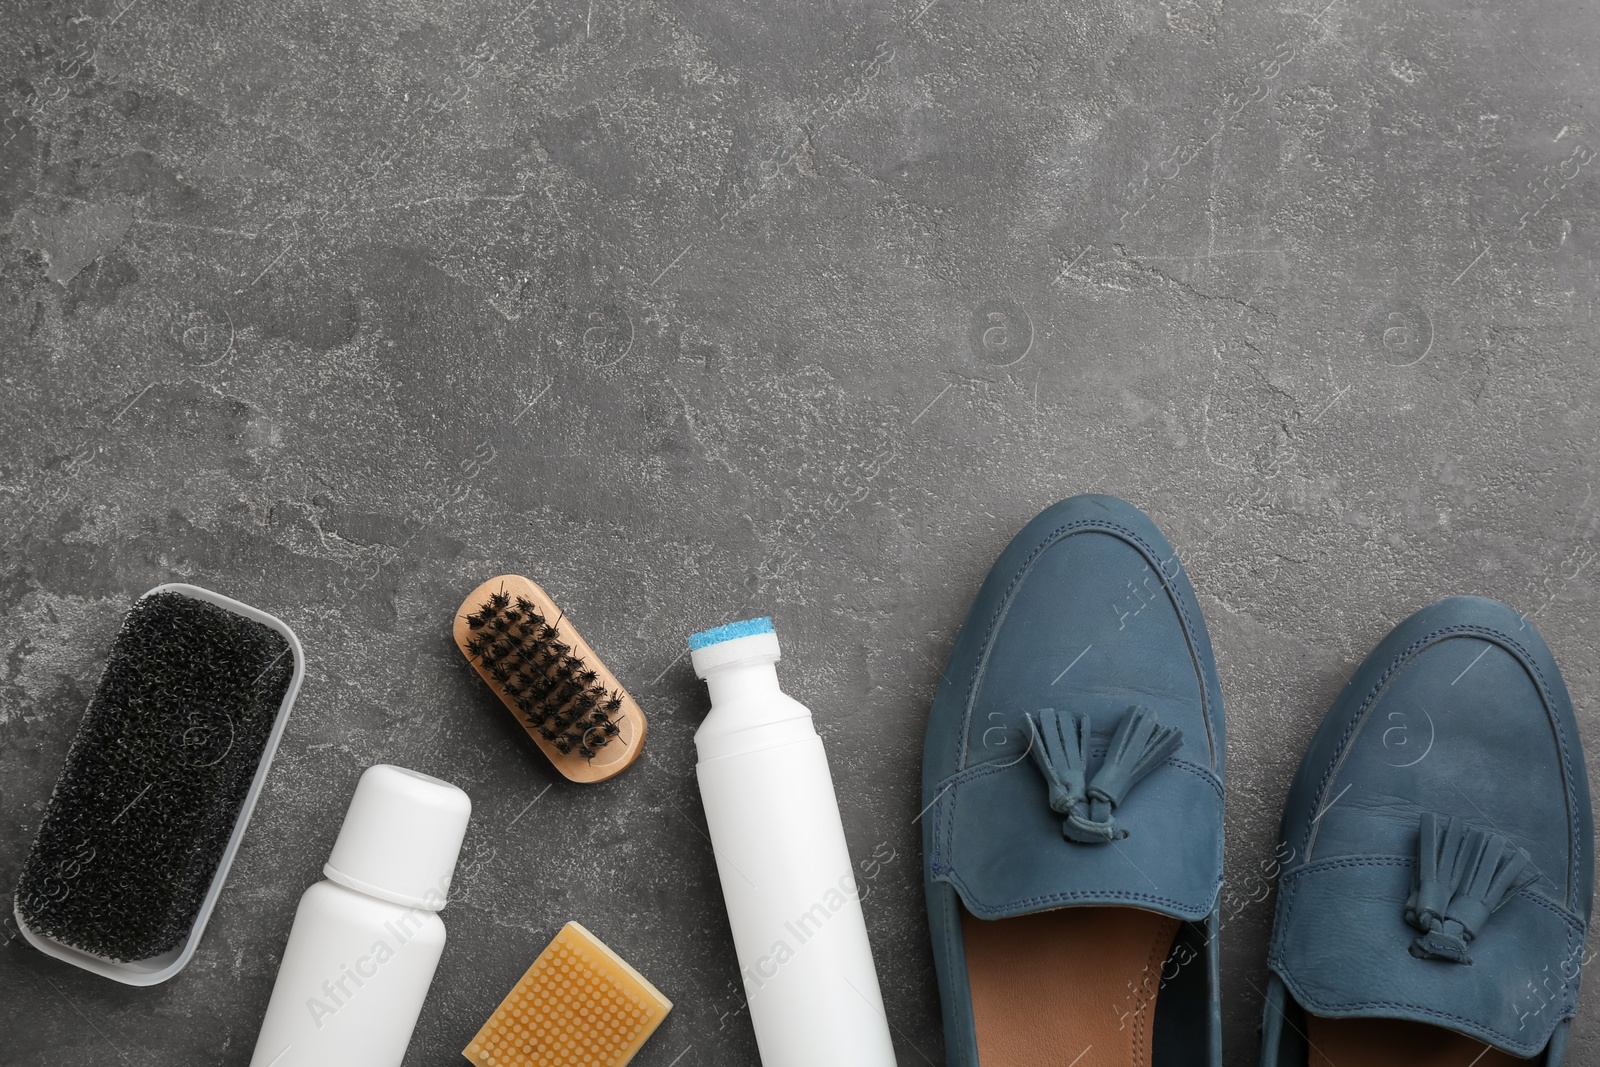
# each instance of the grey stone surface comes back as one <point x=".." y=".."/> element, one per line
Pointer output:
<point x="691" y="310"/>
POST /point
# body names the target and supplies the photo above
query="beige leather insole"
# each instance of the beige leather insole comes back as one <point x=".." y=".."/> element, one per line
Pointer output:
<point x="1397" y="1043"/>
<point x="1071" y="986"/>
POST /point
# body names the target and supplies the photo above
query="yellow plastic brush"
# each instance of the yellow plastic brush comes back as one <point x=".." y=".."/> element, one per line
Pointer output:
<point x="579" y="1004"/>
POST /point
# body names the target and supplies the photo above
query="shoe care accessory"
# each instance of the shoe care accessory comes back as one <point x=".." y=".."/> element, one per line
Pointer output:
<point x="159" y="785"/>
<point x="536" y="662"/>
<point x="579" y="1004"/>
<point x="366" y="941"/>
<point x="783" y="862"/>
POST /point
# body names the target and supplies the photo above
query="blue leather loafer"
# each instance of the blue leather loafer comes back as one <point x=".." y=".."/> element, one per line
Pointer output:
<point x="1434" y="904"/>
<point x="1072" y="833"/>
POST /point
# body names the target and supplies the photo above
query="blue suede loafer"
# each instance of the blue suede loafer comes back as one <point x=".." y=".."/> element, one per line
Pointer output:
<point x="1436" y="897"/>
<point x="1072" y="783"/>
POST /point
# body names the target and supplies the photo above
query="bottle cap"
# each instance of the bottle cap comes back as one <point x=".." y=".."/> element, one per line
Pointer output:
<point x="401" y="837"/>
<point x="749" y="641"/>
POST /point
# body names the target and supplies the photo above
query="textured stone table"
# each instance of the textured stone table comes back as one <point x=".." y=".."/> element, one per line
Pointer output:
<point x="692" y="311"/>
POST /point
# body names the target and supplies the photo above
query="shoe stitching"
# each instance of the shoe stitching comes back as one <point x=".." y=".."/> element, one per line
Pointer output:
<point x="1278" y="962"/>
<point x="1192" y="910"/>
<point x="1049" y="540"/>
<point x="1529" y="663"/>
<point x="936" y="816"/>
<point x="982" y="770"/>
<point x="1571" y="920"/>
<point x="1144" y="1015"/>
<point x="949" y="948"/>
<point x="1469" y="1024"/>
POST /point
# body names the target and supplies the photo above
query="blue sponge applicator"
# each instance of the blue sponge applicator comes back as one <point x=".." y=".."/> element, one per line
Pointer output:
<point x="733" y="630"/>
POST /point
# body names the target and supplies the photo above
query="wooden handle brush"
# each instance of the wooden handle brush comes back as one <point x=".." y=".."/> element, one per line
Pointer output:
<point x="545" y="672"/>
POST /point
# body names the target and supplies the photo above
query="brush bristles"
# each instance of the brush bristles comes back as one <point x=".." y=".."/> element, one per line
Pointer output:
<point x="558" y="695"/>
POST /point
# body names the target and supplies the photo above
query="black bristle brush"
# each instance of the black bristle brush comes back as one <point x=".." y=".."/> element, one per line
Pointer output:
<point x="545" y="672"/>
<point x="165" y="767"/>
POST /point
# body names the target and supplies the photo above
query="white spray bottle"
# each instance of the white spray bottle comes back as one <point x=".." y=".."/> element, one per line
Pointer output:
<point x="783" y="862"/>
<point x="366" y="941"/>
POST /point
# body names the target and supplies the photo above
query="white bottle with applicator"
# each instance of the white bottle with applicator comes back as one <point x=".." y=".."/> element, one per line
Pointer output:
<point x="366" y="941"/>
<point x="783" y="862"/>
